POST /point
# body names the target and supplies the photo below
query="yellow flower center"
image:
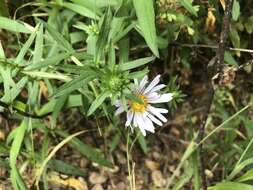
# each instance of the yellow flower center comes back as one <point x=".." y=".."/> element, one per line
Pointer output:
<point x="137" y="106"/>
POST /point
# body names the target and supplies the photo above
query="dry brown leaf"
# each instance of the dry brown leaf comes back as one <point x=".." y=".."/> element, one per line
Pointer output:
<point x="174" y="130"/>
<point x="158" y="179"/>
<point x="156" y="155"/>
<point x="210" y="21"/>
<point x="2" y="135"/>
<point x="96" y="178"/>
<point x="120" y="186"/>
<point x="223" y="4"/>
<point x="151" y="165"/>
<point x="175" y="155"/>
<point x="121" y="158"/>
<point x="97" y="187"/>
<point x="77" y="184"/>
<point x="43" y="89"/>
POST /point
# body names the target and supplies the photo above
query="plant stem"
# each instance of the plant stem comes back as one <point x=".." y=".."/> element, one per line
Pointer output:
<point x="211" y="47"/>
<point x="217" y="69"/>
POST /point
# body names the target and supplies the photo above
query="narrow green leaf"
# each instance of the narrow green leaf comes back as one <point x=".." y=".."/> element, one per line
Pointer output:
<point x="8" y="82"/>
<point x="103" y="34"/>
<point x="115" y="142"/>
<point x="76" y="37"/>
<point x="47" y="62"/>
<point x="196" y="174"/>
<point x="249" y="24"/>
<point x="230" y="59"/>
<point x="89" y="4"/>
<point x="17" y="181"/>
<point x="187" y="4"/>
<point x="2" y="54"/>
<point x="146" y="19"/>
<point x="62" y="42"/>
<point x="231" y="186"/>
<point x="142" y="143"/>
<point x="15" y="26"/>
<point x="235" y="37"/>
<point x="26" y="47"/>
<point x="97" y="4"/>
<point x="87" y="151"/>
<point x="76" y="83"/>
<point x="98" y="101"/>
<point x="15" y="91"/>
<point x="73" y="101"/>
<point x="65" y="168"/>
<point x="184" y="177"/>
<point x="117" y="26"/>
<point x="235" y="10"/>
<point x="238" y="168"/>
<point x="135" y="63"/>
<point x="4" y="10"/>
<point x="38" y="50"/>
<point x="81" y="10"/>
<point x="138" y="74"/>
<point x="57" y="108"/>
<point x="14" y="152"/>
<point x="124" y="33"/>
<point x="124" y="50"/>
<point x="46" y="75"/>
<point x="246" y="177"/>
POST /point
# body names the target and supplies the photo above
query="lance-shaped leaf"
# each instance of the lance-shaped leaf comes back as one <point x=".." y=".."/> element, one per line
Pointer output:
<point x="146" y="18"/>
<point x="98" y="101"/>
<point x="134" y="64"/>
<point x="81" y="10"/>
<point x="76" y="83"/>
<point x="15" y="26"/>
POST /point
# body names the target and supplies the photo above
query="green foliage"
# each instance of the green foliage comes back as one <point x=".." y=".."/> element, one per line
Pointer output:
<point x="76" y="58"/>
<point x="146" y="21"/>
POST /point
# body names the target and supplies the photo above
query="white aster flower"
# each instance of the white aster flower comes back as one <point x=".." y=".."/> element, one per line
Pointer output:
<point x="143" y="115"/>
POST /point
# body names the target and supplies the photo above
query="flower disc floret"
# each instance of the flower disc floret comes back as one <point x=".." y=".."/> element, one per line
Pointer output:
<point x="137" y="106"/>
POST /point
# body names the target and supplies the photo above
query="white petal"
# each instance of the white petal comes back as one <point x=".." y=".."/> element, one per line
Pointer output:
<point x="143" y="82"/>
<point x="148" y="124"/>
<point x="152" y="84"/>
<point x="153" y="96"/>
<point x="135" y="123"/>
<point x="140" y="123"/>
<point x="119" y="110"/>
<point x="143" y="131"/>
<point x="156" y="112"/>
<point x="156" y="121"/>
<point x="158" y="87"/>
<point x="163" y="98"/>
<point x="162" y="110"/>
<point x="130" y="115"/>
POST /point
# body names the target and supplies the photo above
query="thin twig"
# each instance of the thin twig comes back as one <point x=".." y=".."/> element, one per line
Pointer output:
<point x="216" y="66"/>
<point x="211" y="47"/>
